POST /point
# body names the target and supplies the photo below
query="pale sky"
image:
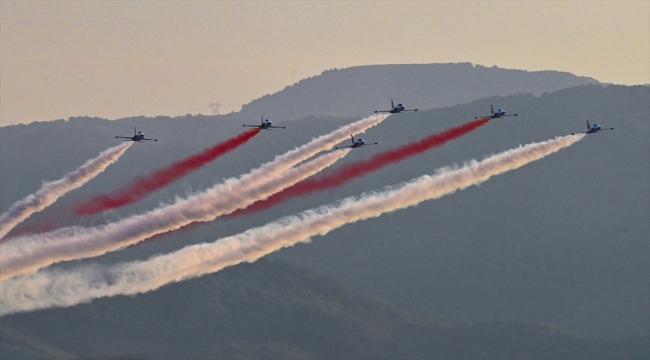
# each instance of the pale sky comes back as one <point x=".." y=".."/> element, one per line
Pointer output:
<point x="60" y="59"/>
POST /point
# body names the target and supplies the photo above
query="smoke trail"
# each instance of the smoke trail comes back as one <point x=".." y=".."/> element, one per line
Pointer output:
<point x="49" y="288"/>
<point x="29" y="253"/>
<point x="282" y="181"/>
<point x="53" y="190"/>
<point x="144" y="185"/>
<point x="359" y="168"/>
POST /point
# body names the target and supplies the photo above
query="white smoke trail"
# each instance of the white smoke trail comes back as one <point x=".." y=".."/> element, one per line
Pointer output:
<point x="51" y="191"/>
<point x="50" y="288"/>
<point x="29" y="253"/>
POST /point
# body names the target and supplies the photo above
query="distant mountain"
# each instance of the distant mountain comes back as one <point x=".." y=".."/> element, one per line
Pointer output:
<point x="274" y="310"/>
<point x="562" y="241"/>
<point x="359" y="90"/>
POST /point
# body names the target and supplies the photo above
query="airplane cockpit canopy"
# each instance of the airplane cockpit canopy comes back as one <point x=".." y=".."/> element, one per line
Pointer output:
<point x="400" y="105"/>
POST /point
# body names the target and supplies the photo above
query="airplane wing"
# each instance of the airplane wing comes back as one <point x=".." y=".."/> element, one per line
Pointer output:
<point x="149" y="139"/>
<point x="124" y="137"/>
<point x="410" y="110"/>
<point x="277" y="127"/>
<point x="382" y="111"/>
<point x="252" y="125"/>
<point x="510" y="115"/>
<point x="580" y="132"/>
<point x="482" y="117"/>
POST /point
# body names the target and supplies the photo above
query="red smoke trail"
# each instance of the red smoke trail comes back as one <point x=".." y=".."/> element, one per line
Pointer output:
<point x="345" y="174"/>
<point x="143" y="185"/>
<point x="40" y="227"/>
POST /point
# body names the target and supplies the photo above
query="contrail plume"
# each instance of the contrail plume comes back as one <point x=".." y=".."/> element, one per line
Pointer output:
<point x="282" y="181"/>
<point x="147" y="184"/>
<point x="359" y="168"/>
<point x="29" y="253"/>
<point x="50" y="288"/>
<point x="51" y="191"/>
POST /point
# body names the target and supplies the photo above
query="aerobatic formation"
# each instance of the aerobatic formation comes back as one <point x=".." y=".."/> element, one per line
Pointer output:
<point x="144" y="185"/>
<point x="26" y="284"/>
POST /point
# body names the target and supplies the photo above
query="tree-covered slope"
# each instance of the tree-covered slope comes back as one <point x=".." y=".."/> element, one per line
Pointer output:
<point x="275" y="310"/>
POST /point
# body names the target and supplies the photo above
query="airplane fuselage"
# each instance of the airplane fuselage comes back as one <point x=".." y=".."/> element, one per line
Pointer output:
<point x="265" y="125"/>
<point x="355" y="144"/>
<point x="495" y="114"/>
<point x="394" y="109"/>
<point x="499" y="113"/>
<point x="137" y="136"/>
<point x="593" y="129"/>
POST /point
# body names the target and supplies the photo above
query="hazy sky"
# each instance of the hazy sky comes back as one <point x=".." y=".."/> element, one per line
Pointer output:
<point x="114" y="59"/>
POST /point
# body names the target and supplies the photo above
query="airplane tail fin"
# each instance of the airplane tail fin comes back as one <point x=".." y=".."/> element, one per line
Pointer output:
<point x="588" y="126"/>
<point x="352" y="137"/>
<point x="261" y="119"/>
<point x="134" y="130"/>
<point x="392" y="105"/>
<point x="491" y="110"/>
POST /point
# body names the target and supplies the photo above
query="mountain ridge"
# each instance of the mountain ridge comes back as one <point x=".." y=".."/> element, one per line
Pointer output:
<point x="359" y="90"/>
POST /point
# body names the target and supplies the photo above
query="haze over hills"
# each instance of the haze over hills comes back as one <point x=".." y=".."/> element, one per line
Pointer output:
<point x="562" y="241"/>
<point x="358" y="90"/>
<point x="274" y="310"/>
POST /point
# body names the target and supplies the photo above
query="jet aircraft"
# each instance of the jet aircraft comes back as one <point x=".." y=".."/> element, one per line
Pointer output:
<point x="266" y="125"/>
<point x="355" y="144"/>
<point x="592" y="129"/>
<point x="495" y="114"/>
<point x="394" y="109"/>
<point x="137" y="136"/>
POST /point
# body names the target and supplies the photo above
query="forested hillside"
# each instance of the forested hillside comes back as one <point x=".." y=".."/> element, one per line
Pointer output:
<point x="274" y="310"/>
